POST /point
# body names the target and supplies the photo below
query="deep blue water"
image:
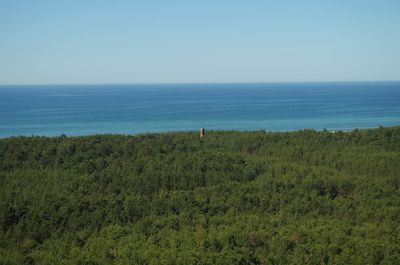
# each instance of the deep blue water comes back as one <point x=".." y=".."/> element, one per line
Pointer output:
<point x="129" y="109"/>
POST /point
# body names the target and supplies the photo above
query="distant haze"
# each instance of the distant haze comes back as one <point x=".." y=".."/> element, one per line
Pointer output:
<point x="78" y="42"/>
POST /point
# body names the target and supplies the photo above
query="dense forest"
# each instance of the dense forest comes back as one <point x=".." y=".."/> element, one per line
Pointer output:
<point x="303" y="197"/>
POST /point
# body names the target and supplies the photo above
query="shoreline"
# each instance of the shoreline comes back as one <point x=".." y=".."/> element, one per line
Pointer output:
<point x="349" y="130"/>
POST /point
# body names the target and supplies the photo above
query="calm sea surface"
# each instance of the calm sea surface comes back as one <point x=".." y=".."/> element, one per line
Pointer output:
<point x="129" y="109"/>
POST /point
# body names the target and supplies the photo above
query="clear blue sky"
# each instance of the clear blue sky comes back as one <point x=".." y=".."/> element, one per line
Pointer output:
<point x="198" y="41"/>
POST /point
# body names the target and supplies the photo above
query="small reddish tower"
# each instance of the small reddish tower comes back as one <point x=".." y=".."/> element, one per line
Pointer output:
<point x="202" y="132"/>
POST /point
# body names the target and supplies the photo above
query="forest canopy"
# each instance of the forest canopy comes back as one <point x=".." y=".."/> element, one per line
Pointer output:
<point x="302" y="197"/>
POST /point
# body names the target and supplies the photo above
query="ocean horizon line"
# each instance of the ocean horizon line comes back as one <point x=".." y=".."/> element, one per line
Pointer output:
<point x="202" y="83"/>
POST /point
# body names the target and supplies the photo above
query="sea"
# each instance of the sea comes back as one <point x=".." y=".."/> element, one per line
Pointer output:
<point x="72" y="110"/>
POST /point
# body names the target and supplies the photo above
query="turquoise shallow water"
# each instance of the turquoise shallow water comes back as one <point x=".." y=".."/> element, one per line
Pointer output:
<point x="128" y="109"/>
